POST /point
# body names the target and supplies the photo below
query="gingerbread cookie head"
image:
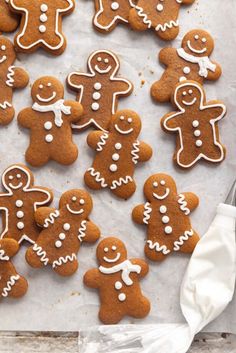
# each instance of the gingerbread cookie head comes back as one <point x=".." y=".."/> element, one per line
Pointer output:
<point x="188" y="95"/>
<point x="47" y="90"/>
<point x="111" y="252"/>
<point x="126" y="123"/>
<point x="159" y="187"/>
<point x="198" y="43"/>
<point x="17" y="177"/>
<point x="103" y="62"/>
<point x="76" y="202"/>
<point x="7" y="53"/>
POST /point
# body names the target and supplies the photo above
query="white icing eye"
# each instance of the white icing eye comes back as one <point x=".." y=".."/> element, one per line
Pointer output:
<point x="99" y="59"/>
<point x="114" y="247"/>
<point x="204" y="40"/>
<point x="190" y="91"/>
<point x="130" y="120"/>
<point x="196" y="36"/>
<point x="106" y="61"/>
<point x="82" y="202"/>
<point x="122" y="117"/>
<point x="3" y="47"/>
<point x="18" y="176"/>
<point x="49" y="84"/>
<point x="11" y="177"/>
<point x="106" y="249"/>
<point x="163" y="182"/>
<point x="184" y="93"/>
<point x="74" y="198"/>
<point x="155" y="184"/>
<point x="41" y="86"/>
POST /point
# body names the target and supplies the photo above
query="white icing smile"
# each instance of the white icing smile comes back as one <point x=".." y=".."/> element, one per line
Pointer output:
<point x="46" y="100"/>
<point x="4" y="58"/>
<point x="190" y="103"/>
<point x="158" y="197"/>
<point x="15" y="187"/>
<point x="73" y="211"/>
<point x="112" y="260"/>
<point x="195" y="50"/>
<point x="123" y="132"/>
<point x="105" y="71"/>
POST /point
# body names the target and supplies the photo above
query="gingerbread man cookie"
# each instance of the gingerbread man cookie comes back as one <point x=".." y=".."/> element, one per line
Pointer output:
<point x="41" y="24"/>
<point x="20" y="202"/>
<point x="11" y="283"/>
<point x="99" y="90"/>
<point x="11" y="77"/>
<point x="117" y="153"/>
<point x="190" y="62"/>
<point x="160" y="15"/>
<point x="63" y="232"/>
<point x="196" y="123"/>
<point x="166" y="215"/>
<point x="49" y="121"/>
<point x="8" y="20"/>
<point x="117" y="280"/>
<point x="109" y="13"/>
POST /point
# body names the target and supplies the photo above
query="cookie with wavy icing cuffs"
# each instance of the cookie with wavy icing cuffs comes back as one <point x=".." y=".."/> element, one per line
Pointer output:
<point x="166" y="215"/>
<point x="8" y="20"/>
<point x="158" y="15"/>
<point x="108" y="13"/>
<point x="19" y="203"/>
<point x="99" y="89"/>
<point x="11" y="283"/>
<point x="195" y="122"/>
<point x="49" y="121"/>
<point x="11" y="78"/>
<point x="41" y="24"/>
<point x="190" y="62"/>
<point x="63" y="232"/>
<point x="118" y="151"/>
<point x="117" y="280"/>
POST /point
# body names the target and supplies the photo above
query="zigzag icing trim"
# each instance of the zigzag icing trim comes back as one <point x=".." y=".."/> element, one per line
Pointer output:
<point x="10" y="284"/>
<point x="116" y="183"/>
<point x="41" y="253"/>
<point x="63" y="260"/>
<point x="183" y="204"/>
<point x="102" y="142"/>
<point x="5" y="105"/>
<point x="3" y="257"/>
<point x="51" y="218"/>
<point x="135" y="152"/>
<point x="82" y="230"/>
<point x="147" y="212"/>
<point x="10" y="76"/>
<point x="97" y="176"/>
<point x="168" y="25"/>
<point x="159" y="248"/>
<point x="178" y="243"/>
<point x="143" y="15"/>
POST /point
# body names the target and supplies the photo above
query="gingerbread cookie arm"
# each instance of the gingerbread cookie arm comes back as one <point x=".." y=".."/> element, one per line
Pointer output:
<point x="188" y="201"/>
<point x="89" y="232"/>
<point x="10" y="247"/>
<point x="17" y="77"/>
<point x="26" y="118"/>
<point x="76" y="81"/>
<point x="125" y="87"/>
<point x="76" y="111"/>
<point x="42" y="195"/>
<point x="4" y="202"/>
<point x="94" y="138"/>
<point x="16" y="5"/>
<point x="92" y="278"/>
<point x="171" y="121"/>
<point x="138" y="214"/>
<point x="143" y="266"/>
<point x="214" y="75"/>
<point x="145" y="152"/>
<point x="43" y="215"/>
<point x="166" y="55"/>
<point x="215" y="109"/>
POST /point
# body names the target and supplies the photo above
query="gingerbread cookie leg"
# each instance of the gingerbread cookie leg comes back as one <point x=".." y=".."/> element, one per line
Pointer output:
<point x="19" y="288"/>
<point x="68" y="268"/>
<point x="123" y="188"/>
<point x="155" y="250"/>
<point x="94" y="180"/>
<point x="110" y="315"/>
<point x="187" y="247"/>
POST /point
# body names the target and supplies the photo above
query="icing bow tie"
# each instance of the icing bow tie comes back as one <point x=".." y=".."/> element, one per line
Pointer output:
<point x="57" y="108"/>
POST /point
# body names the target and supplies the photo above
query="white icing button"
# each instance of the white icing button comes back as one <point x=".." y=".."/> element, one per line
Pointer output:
<point x="95" y="106"/>
<point x="19" y="203"/>
<point x="186" y="70"/>
<point x="48" y="125"/>
<point x="199" y="143"/>
<point x="43" y="7"/>
<point x="165" y="219"/>
<point x="58" y="244"/>
<point x="62" y="236"/>
<point x="159" y="7"/>
<point x="20" y="225"/>
<point x="197" y="133"/>
<point x="43" y="18"/>
<point x="183" y="78"/>
<point x="96" y="95"/>
<point x="49" y="138"/>
<point x="195" y="123"/>
<point x="118" y="285"/>
<point x="168" y="230"/>
<point x="122" y="297"/>
<point x="118" y="146"/>
<point x="19" y="214"/>
<point x="97" y="86"/>
<point x="66" y="226"/>
<point x="115" y="6"/>
<point x="42" y="29"/>
<point x="163" y="209"/>
<point x="115" y="157"/>
<point x="113" y="168"/>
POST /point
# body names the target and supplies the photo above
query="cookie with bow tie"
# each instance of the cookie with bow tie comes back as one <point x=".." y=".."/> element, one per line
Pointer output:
<point x="49" y="121"/>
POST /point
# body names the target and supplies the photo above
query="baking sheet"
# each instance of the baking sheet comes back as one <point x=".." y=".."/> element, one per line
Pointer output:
<point x="54" y="303"/>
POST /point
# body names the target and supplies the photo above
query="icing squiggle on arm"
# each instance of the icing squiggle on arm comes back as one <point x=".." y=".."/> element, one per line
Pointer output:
<point x="10" y="76"/>
<point x="51" y="218"/>
<point x="135" y="152"/>
<point x="147" y="212"/>
<point x="102" y="142"/>
<point x="183" y="204"/>
<point x="82" y="230"/>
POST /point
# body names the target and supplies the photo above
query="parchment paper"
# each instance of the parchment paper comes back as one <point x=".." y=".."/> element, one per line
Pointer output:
<point x="54" y="303"/>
